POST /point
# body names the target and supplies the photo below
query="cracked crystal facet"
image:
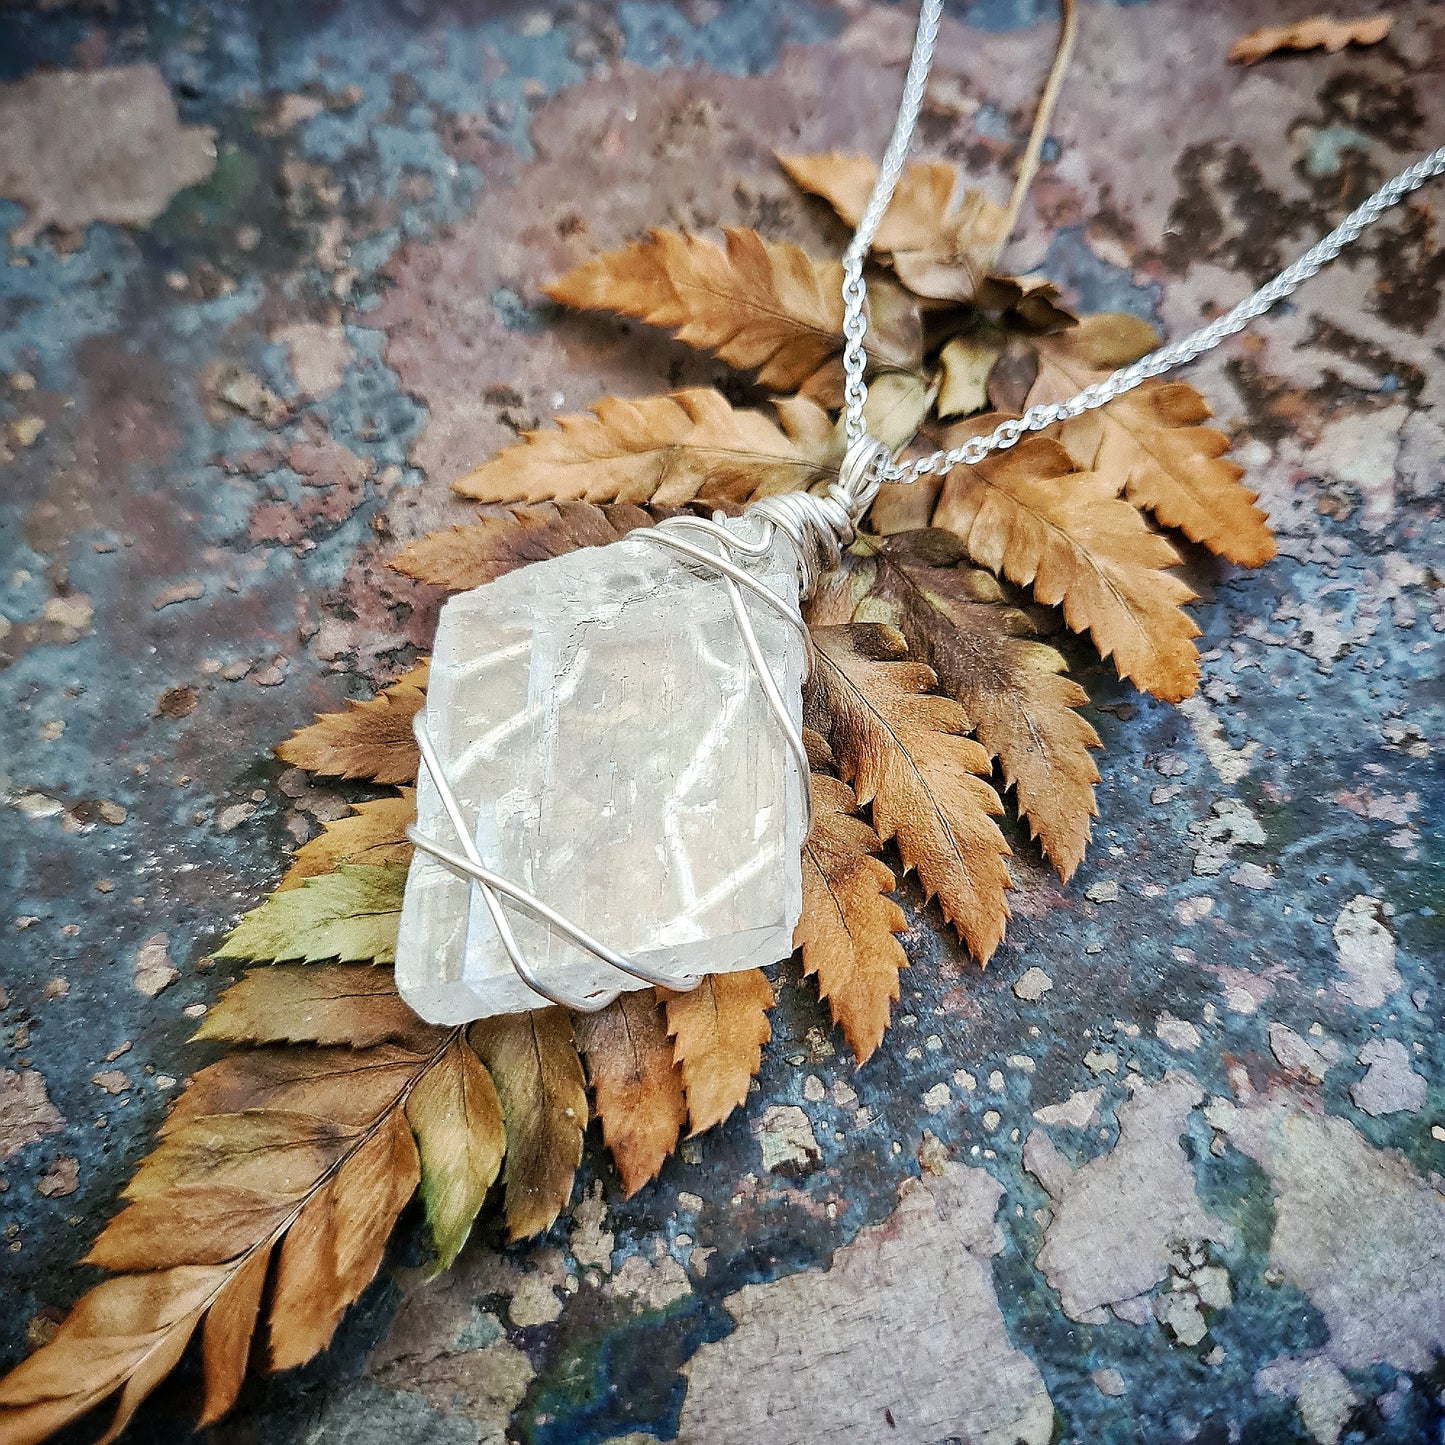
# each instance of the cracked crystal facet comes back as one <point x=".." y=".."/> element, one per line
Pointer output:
<point x="607" y="738"/>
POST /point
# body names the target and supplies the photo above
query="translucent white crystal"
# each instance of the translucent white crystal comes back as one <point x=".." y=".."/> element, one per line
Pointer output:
<point x="598" y="717"/>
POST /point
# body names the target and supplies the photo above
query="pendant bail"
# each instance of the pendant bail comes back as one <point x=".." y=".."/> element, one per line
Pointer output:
<point x="859" y="478"/>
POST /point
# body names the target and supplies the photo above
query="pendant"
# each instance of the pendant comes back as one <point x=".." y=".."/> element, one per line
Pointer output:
<point x="614" y="789"/>
<point x="611" y="749"/>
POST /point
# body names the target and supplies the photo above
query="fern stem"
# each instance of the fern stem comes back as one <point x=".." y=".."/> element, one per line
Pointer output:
<point x="1029" y="163"/>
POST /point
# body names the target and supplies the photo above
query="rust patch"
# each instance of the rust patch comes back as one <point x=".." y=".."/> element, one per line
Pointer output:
<point x="1216" y="184"/>
<point x="130" y="401"/>
<point x="60" y="1179"/>
<point x="1386" y="109"/>
<point x="176" y="702"/>
<point x="1412" y="274"/>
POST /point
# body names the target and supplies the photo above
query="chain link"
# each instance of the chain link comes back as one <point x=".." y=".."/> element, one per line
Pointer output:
<point x="855" y="289"/>
<point x="1126" y="378"/>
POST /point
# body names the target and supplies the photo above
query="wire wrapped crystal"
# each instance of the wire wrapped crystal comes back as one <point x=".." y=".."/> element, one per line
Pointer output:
<point x="609" y="742"/>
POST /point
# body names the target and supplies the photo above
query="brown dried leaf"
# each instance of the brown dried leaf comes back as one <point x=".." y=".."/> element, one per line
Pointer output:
<point x="371" y="739"/>
<point x="902" y="507"/>
<point x="351" y="915"/>
<point x="460" y="558"/>
<point x="1012" y="687"/>
<point x="315" y="1004"/>
<point x="1316" y="33"/>
<point x="277" y="1153"/>
<point x="1147" y="441"/>
<point x="533" y="1062"/>
<point x="820" y="755"/>
<point x="149" y="1372"/>
<point x="217" y="1185"/>
<point x="847" y="931"/>
<point x="206" y="1211"/>
<point x="896" y="405"/>
<point x="909" y="506"/>
<point x="125" y="1334"/>
<point x="1109" y="339"/>
<point x="900" y="746"/>
<point x="456" y="1116"/>
<point x="350" y="1087"/>
<point x="199" y="1223"/>
<point x="1030" y="515"/>
<point x="375" y="835"/>
<point x="719" y="1030"/>
<point x="1012" y="376"/>
<point x="941" y="251"/>
<point x="759" y="305"/>
<point x="334" y="1248"/>
<point x="662" y="451"/>
<point x="226" y="1337"/>
<point x="966" y="362"/>
<point x="636" y="1084"/>
<point x="1028" y="304"/>
<point x="846" y="181"/>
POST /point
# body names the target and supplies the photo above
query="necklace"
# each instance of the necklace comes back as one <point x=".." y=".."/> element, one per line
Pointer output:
<point x="614" y="789"/>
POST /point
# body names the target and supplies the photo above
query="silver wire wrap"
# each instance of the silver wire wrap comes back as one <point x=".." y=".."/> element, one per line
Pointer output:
<point x="468" y="864"/>
<point x="1126" y="378"/>
<point x="817" y="527"/>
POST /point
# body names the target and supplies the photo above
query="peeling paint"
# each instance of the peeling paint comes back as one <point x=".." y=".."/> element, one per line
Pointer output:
<point x="922" y="1277"/>
<point x="1116" y="1217"/>
<point x="1320" y="1390"/>
<point x="1078" y="1111"/>
<point x="26" y="1113"/>
<point x="70" y="167"/>
<point x="1347" y="1218"/>
<point x="785" y="1138"/>
<point x="1390" y="1085"/>
<point x="153" y="970"/>
<point x="1366" y="950"/>
<point x="449" y="1364"/>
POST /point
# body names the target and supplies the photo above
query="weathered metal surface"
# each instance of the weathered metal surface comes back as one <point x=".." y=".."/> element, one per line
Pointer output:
<point x="1190" y="1190"/>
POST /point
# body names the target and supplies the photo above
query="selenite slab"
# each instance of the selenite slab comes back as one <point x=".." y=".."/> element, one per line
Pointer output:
<point x="599" y="719"/>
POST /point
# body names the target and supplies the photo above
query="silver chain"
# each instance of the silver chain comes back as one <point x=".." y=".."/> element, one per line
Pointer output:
<point x="1126" y="378"/>
<point x="855" y="289"/>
